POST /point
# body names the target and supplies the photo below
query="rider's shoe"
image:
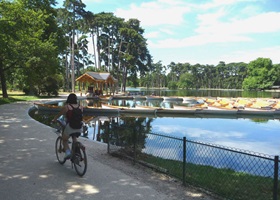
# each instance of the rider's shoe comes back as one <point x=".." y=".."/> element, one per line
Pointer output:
<point x="67" y="154"/>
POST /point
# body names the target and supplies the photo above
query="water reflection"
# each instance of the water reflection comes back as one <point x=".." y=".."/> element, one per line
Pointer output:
<point x="206" y="93"/>
<point x="204" y="154"/>
<point x="258" y="135"/>
<point x="247" y="134"/>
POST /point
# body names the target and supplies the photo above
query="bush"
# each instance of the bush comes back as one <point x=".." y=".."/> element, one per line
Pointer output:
<point x="49" y="87"/>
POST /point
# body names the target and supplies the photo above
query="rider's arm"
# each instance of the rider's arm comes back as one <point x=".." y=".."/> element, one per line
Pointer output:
<point x="61" y="112"/>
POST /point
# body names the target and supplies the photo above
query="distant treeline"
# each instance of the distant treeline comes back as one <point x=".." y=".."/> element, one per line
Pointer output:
<point x="259" y="74"/>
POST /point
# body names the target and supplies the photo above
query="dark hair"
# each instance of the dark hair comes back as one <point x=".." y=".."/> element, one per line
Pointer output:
<point x="72" y="98"/>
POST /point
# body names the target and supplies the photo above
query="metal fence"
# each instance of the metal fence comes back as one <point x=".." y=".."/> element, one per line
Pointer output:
<point x="230" y="173"/>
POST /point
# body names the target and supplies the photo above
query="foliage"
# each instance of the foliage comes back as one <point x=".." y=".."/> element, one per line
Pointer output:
<point x="223" y="75"/>
<point x="261" y="74"/>
<point x="172" y="85"/>
<point x="50" y="86"/>
<point x="186" y="81"/>
<point x="29" y="43"/>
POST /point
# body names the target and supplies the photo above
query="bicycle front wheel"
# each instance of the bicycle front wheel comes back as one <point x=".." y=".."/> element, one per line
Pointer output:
<point x="80" y="160"/>
<point x="59" y="151"/>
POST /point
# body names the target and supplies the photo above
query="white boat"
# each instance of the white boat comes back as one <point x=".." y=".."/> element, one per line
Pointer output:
<point x="151" y="98"/>
<point x="106" y="106"/>
<point x="172" y="98"/>
<point x="146" y="107"/>
<point x="182" y="107"/>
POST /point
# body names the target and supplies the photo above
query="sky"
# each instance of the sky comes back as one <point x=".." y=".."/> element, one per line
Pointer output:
<point x="202" y="31"/>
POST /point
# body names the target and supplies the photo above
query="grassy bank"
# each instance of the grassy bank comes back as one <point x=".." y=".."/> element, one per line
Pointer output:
<point x="226" y="183"/>
<point x="19" y="96"/>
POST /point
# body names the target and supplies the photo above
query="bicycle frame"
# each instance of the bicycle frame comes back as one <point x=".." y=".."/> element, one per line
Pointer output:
<point x="78" y="150"/>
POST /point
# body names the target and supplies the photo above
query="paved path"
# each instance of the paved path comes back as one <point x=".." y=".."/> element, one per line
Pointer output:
<point x="29" y="169"/>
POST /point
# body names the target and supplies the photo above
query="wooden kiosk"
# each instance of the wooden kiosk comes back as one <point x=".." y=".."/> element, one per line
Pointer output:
<point x="97" y="83"/>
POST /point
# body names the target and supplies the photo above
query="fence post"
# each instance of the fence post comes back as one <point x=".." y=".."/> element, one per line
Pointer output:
<point x="134" y="145"/>
<point x="275" y="184"/>
<point x="184" y="159"/>
<point x="108" y="144"/>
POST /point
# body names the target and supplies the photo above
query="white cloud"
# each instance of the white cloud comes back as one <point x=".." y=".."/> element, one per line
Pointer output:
<point x="154" y="13"/>
<point x="151" y="35"/>
<point x="219" y="3"/>
<point x="167" y="31"/>
<point x="198" y="40"/>
<point x="262" y="23"/>
<point x="250" y="55"/>
<point x="91" y="1"/>
<point x="209" y="19"/>
<point x="197" y="132"/>
<point x="210" y="30"/>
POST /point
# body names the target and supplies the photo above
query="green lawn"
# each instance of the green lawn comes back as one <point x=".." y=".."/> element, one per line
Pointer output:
<point x="19" y="96"/>
<point x="226" y="183"/>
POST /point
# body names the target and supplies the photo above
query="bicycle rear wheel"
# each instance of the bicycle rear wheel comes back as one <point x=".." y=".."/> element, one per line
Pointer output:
<point x="59" y="151"/>
<point x="80" y="159"/>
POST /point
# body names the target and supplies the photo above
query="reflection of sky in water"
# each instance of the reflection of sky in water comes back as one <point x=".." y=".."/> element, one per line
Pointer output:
<point x="244" y="134"/>
<point x="196" y="153"/>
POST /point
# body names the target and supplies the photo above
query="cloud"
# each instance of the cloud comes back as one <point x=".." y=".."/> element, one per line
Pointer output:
<point x="91" y="1"/>
<point x="212" y="27"/>
<point x="154" y="13"/>
<point x="219" y="3"/>
<point x="198" y="40"/>
<point x="197" y="132"/>
<point x="151" y="35"/>
<point x="211" y="30"/>
<point x="250" y="55"/>
<point x="262" y="23"/>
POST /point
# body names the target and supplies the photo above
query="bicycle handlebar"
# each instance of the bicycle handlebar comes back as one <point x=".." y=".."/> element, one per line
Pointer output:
<point x="61" y="122"/>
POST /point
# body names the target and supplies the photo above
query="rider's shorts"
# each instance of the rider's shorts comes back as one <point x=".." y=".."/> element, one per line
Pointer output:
<point x="68" y="130"/>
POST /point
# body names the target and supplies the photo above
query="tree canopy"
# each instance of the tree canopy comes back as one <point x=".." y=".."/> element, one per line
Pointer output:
<point x="261" y="74"/>
<point x="29" y="41"/>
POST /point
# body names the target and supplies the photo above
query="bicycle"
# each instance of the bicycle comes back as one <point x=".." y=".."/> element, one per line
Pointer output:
<point x="78" y="150"/>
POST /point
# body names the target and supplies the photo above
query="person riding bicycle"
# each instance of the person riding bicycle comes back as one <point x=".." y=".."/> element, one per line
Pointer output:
<point x="71" y="103"/>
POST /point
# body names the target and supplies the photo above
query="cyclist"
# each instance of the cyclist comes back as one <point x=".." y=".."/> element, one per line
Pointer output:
<point x="71" y="103"/>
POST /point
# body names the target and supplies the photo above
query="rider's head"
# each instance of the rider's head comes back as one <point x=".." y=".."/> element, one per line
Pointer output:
<point x="72" y="99"/>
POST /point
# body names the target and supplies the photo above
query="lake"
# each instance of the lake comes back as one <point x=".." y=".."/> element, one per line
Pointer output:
<point x="255" y="134"/>
<point x="207" y="93"/>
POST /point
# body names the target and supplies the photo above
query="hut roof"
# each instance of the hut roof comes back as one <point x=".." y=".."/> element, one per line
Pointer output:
<point x="96" y="77"/>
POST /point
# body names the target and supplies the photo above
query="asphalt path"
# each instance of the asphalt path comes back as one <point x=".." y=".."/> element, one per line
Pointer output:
<point x="29" y="169"/>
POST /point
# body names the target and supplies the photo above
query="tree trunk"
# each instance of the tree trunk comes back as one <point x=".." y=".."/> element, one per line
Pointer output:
<point x="94" y="51"/>
<point x="98" y="51"/>
<point x="73" y="61"/>
<point x="119" y="66"/>
<point x="124" y="78"/>
<point x="3" y="81"/>
<point x="66" y="79"/>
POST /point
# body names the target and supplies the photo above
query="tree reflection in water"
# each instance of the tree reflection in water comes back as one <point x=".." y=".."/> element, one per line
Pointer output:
<point x="256" y="134"/>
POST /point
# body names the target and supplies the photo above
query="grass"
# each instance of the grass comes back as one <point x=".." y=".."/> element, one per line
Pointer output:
<point x="19" y="96"/>
<point x="223" y="182"/>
